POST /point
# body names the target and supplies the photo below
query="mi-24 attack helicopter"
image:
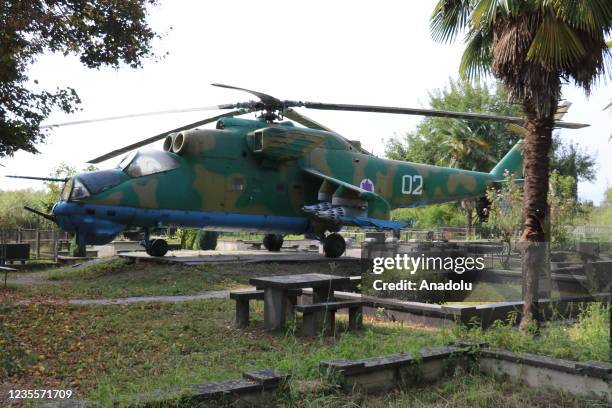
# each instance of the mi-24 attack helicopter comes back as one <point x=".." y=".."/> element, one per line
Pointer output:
<point x="265" y="175"/>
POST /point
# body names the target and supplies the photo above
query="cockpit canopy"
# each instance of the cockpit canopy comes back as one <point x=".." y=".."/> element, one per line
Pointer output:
<point x="144" y="163"/>
<point x="135" y="164"/>
<point x="86" y="184"/>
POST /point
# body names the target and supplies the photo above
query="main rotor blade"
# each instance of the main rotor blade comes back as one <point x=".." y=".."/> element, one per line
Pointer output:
<point x="265" y="98"/>
<point x="160" y="136"/>
<point x="138" y="115"/>
<point x="429" y="112"/>
<point x="305" y="120"/>
<point x="61" y="180"/>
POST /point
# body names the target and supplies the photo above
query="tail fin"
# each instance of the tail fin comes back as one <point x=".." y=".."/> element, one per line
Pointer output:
<point x="512" y="162"/>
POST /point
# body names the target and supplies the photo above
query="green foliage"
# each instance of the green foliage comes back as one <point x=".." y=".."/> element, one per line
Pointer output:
<point x="13" y="215"/>
<point x="563" y="208"/>
<point x="505" y="212"/>
<point x="529" y="45"/>
<point x="478" y="145"/>
<point x="206" y="240"/>
<point x="607" y="201"/>
<point x="467" y="144"/>
<point x="92" y="270"/>
<point x="588" y="339"/>
<point x="139" y="348"/>
<point x="99" y="32"/>
<point x="431" y="216"/>
<point x="568" y="159"/>
<point x="62" y="171"/>
<point x="119" y="277"/>
<point x="187" y="237"/>
<point x="77" y="250"/>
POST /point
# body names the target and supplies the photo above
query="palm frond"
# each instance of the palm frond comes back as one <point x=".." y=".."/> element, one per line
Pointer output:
<point x="485" y="12"/>
<point x="555" y="44"/>
<point x="448" y="19"/>
<point x="591" y="16"/>
<point x="476" y="59"/>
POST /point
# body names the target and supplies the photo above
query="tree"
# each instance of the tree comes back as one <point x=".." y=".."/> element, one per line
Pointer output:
<point x="505" y="211"/>
<point x="478" y="145"/>
<point x="568" y="159"/>
<point x="469" y="144"/>
<point x="531" y="46"/>
<point x="504" y="214"/>
<point x="607" y="201"/>
<point x="63" y="170"/>
<point x="13" y="215"/>
<point x="99" y="32"/>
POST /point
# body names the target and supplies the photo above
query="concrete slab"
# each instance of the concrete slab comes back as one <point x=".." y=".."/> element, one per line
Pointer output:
<point x="186" y="257"/>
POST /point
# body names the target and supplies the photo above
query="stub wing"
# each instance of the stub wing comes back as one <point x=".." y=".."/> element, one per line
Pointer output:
<point x="357" y="191"/>
<point x="346" y="204"/>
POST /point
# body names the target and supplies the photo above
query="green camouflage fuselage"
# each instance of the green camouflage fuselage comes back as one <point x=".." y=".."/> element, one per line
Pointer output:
<point x="234" y="170"/>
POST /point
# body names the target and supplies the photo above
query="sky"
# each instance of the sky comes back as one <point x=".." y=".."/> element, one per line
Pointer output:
<point x="357" y="52"/>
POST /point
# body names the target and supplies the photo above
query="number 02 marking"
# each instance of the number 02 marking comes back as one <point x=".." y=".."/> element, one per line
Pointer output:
<point x="412" y="185"/>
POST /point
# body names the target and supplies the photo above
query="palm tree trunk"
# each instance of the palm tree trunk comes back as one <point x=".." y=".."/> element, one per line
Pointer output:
<point x="536" y="149"/>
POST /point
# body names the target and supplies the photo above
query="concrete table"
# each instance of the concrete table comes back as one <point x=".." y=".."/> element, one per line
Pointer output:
<point x="278" y="308"/>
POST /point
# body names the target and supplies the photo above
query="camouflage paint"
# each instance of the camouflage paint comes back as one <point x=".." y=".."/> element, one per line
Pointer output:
<point x="222" y="171"/>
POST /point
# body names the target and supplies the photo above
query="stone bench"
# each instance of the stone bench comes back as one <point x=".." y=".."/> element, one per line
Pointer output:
<point x="255" y="388"/>
<point x="243" y="298"/>
<point x="319" y="317"/>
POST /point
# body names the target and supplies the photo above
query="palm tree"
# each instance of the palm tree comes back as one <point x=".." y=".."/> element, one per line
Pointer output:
<point x="532" y="47"/>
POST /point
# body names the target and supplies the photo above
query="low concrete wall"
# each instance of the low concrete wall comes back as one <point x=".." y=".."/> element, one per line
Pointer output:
<point x="442" y="315"/>
<point x="588" y="380"/>
<point x="377" y="374"/>
<point x="591" y="379"/>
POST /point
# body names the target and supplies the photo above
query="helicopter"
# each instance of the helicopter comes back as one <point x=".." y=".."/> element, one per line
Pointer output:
<point x="264" y="175"/>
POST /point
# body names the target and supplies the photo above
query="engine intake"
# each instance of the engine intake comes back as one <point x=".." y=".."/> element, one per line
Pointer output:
<point x="196" y="141"/>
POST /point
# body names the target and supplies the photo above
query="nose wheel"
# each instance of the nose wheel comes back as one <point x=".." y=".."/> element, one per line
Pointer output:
<point x="334" y="245"/>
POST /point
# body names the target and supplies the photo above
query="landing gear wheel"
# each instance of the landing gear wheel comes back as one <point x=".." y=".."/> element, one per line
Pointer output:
<point x="273" y="242"/>
<point x="157" y="247"/>
<point x="334" y="245"/>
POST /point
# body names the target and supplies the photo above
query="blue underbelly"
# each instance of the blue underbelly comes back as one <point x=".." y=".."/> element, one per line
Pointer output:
<point x="72" y="216"/>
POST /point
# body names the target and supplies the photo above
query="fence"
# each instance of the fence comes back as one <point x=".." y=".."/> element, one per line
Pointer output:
<point x="43" y="244"/>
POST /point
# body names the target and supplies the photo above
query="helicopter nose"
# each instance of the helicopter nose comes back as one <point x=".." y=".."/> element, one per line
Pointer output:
<point x="62" y="213"/>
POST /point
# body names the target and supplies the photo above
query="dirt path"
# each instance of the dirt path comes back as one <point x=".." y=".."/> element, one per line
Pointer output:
<point x="212" y="294"/>
<point x="28" y="278"/>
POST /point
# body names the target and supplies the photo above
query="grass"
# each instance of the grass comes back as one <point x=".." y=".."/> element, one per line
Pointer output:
<point x="463" y="389"/>
<point x="112" y="352"/>
<point x="586" y="339"/>
<point x="123" y="278"/>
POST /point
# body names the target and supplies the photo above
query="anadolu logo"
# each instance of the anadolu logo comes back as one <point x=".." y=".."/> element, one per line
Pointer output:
<point x="367" y="185"/>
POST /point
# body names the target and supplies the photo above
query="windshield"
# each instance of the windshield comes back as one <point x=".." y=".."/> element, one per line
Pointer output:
<point x="148" y="162"/>
<point x="65" y="195"/>
<point x="127" y="159"/>
<point x="100" y="180"/>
